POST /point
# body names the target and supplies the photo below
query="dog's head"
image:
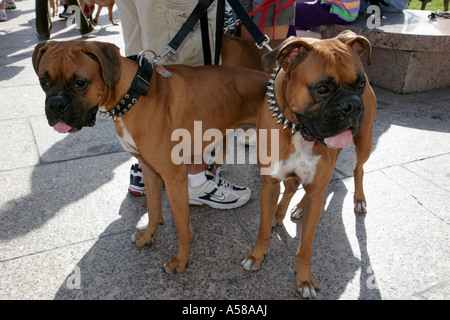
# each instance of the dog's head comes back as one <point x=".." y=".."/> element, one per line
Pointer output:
<point x="324" y="82"/>
<point x="77" y="76"/>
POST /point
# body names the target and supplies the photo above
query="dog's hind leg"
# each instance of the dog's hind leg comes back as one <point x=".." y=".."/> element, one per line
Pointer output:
<point x="110" y="13"/>
<point x="97" y="15"/>
<point x="153" y="190"/>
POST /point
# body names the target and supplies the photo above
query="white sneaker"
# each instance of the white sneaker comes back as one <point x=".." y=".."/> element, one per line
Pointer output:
<point x="217" y="192"/>
<point x="137" y="186"/>
<point x="94" y="31"/>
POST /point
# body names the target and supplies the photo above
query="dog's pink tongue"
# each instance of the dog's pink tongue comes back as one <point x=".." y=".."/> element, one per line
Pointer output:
<point x="341" y="140"/>
<point x="62" y="127"/>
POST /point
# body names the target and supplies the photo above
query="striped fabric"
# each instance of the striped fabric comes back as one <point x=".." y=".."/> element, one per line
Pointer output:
<point x="345" y="9"/>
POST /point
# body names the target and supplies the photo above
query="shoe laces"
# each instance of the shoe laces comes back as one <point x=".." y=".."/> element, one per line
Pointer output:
<point x="221" y="181"/>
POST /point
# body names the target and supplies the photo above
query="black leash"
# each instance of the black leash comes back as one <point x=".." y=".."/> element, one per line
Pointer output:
<point x="199" y="10"/>
<point x="259" y="37"/>
<point x="200" y="14"/>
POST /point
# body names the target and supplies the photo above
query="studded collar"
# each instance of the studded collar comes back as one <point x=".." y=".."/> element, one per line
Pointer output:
<point x="275" y="108"/>
<point x="138" y="88"/>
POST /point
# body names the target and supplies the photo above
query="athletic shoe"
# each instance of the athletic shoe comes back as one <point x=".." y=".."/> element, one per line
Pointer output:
<point x="217" y="192"/>
<point x="10" y="5"/>
<point x="137" y="186"/>
<point x="65" y="15"/>
<point x="94" y="31"/>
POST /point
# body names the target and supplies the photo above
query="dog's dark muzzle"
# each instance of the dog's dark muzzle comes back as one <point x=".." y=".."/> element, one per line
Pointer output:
<point x="64" y="109"/>
<point x="344" y="112"/>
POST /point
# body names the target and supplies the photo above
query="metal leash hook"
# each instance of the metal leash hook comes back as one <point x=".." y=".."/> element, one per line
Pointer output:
<point x="141" y="55"/>
<point x="155" y="58"/>
<point x="169" y="49"/>
<point x="265" y="43"/>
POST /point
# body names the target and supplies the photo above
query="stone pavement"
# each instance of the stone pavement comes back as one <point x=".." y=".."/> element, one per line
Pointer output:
<point x="66" y="217"/>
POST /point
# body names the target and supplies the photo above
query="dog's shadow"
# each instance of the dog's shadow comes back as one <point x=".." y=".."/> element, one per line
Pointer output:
<point x="68" y="172"/>
<point x="334" y="263"/>
<point x="128" y="272"/>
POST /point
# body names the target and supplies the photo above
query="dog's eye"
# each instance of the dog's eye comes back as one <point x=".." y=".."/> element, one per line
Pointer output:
<point x="323" y="89"/>
<point x="80" y="84"/>
<point x="44" y="83"/>
<point x="361" y="84"/>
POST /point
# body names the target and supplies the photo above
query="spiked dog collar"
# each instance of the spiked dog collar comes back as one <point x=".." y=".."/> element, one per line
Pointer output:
<point x="138" y="88"/>
<point x="287" y="124"/>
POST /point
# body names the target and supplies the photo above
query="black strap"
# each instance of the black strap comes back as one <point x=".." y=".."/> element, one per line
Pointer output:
<point x="204" y="27"/>
<point x="220" y="21"/>
<point x="247" y="21"/>
<point x="200" y="13"/>
<point x="188" y="26"/>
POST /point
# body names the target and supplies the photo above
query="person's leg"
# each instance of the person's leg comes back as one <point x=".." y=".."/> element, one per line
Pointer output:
<point x="3" y="16"/>
<point x="131" y="31"/>
<point x="43" y="19"/>
<point x="276" y="27"/>
<point x="85" y="25"/>
<point x="131" y="28"/>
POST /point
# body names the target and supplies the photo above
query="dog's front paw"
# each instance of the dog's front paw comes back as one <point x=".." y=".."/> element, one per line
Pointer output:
<point x="360" y="207"/>
<point x="140" y="239"/>
<point x="306" y="285"/>
<point x="307" y="292"/>
<point x="251" y="263"/>
<point x="175" y="265"/>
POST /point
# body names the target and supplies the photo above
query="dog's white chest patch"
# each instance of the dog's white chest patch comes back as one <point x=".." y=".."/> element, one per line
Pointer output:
<point x="126" y="140"/>
<point x="302" y="162"/>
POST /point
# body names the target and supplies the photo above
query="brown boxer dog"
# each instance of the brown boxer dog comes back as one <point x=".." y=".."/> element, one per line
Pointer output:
<point x="322" y="99"/>
<point x="81" y="77"/>
<point x="101" y="3"/>
<point x="242" y="52"/>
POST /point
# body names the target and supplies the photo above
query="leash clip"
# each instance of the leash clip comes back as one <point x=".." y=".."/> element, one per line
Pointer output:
<point x="265" y="43"/>
<point x="141" y="56"/>
<point x="169" y="49"/>
<point x="154" y="60"/>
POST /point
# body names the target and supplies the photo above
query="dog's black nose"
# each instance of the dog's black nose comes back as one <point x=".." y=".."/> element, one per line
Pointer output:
<point x="351" y="105"/>
<point x="57" y="104"/>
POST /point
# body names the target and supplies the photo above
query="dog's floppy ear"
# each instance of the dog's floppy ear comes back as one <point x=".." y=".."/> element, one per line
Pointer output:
<point x="288" y="54"/>
<point x="38" y="52"/>
<point x="358" y="43"/>
<point x="107" y="56"/>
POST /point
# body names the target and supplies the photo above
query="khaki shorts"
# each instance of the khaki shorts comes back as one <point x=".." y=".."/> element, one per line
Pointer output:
<point x="152" y="24"/>
<point x="285" y="16"/>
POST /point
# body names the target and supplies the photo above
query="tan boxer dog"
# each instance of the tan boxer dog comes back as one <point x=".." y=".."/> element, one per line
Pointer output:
<point x="101" y="3"/>
<point x="81" y="77"/>
<point x="322" y="99"/>
<point x="242" y="52"/>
